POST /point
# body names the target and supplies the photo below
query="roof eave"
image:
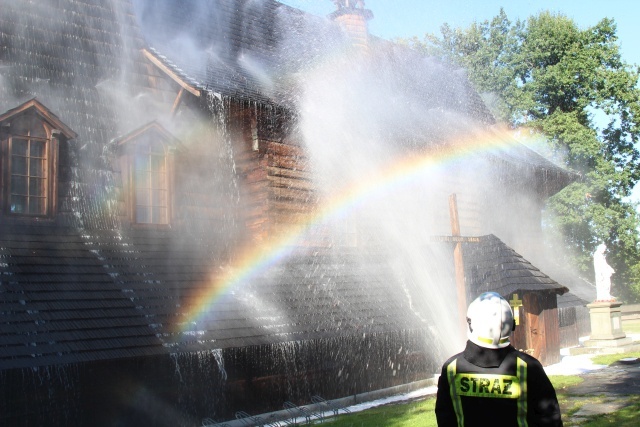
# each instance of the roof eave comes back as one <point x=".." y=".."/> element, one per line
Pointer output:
<point x="170" y="73"/>
<point x="44" y="112"/>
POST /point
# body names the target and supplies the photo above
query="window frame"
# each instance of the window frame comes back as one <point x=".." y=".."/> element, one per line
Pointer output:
<point x="127" y="152"/>
<point x="55" y="133"/>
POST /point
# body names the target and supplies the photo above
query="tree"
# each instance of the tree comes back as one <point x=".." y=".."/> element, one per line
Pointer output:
<point x="570" y="85"/>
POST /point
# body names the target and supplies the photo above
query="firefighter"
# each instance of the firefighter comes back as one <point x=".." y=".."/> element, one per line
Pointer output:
<point x="491" y="383"/>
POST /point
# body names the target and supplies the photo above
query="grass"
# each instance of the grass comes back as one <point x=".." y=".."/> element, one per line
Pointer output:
<point x="568" y="404"/>
<point x="608" y="359"/>
<point x="420" y="413"/>
<point x="631" y="326"/>
<point x="562" y="382"/>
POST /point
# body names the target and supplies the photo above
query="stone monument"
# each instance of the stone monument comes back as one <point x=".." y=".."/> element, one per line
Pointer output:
<point x="605" y="312"/>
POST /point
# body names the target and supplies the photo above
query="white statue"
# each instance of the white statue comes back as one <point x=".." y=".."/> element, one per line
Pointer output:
<point x="349" y="4"/>
<point x="603" y="274"/>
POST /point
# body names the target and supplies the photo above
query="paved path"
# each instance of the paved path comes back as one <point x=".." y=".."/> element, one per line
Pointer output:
<point x="616" y="384"/>
<point x="615" y="379"/>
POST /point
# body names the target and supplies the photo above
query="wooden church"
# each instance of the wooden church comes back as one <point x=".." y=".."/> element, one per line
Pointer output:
<point x="153" y="160"/>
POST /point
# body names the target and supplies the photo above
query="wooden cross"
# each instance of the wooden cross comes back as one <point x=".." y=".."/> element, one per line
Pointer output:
<point x="458" y="261"/>
<point x="515" y="303"/>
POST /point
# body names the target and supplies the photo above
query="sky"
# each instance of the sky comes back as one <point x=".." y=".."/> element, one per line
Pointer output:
<point x="407" y="18"/>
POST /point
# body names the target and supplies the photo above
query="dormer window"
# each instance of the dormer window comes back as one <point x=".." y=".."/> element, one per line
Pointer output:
<point x="151" y="182"/>
<point x="146" y="159"/>
<point x="29" y="139"/>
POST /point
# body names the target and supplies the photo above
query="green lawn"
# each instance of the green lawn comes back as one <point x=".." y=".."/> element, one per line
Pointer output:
<point x="631" y="326"/>
<point x="414" y="414"/>
<point x="608" y="359"/>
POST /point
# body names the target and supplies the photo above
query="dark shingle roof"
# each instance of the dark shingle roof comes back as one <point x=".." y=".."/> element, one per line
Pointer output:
<point x="581" y="291"/>
<point x="310" y="294"/>
<point x="59" y="301"/>
<point x="235" y="47"/>
<point x="260" y="50"/>
<point x="69" y="296"/>
<point x="491" y="265"/>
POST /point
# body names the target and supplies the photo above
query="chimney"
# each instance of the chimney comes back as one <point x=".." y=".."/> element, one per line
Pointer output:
<point x="352" y="18"/>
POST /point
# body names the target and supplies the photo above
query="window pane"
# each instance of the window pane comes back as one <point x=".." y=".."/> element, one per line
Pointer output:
<point x="18" y="204"/>
<point x="158" y="181"/>
<point x="143" y="214"/>
<point x="155" y="147"/>
<point x="19" y="147"/>
<point x="142" y="179"/>
<point x="36" y="167"/>
<point x="18" y="165"/>
<point x="19" y="185"/>
<point x="157" y="163"/>
<point x="159" y="215"/>
<point x="142" y="148"/>
<point x="142" y="163"/>
<point x="37" y="187"/>
<point x="159" y="198"/>
<point x="143" y="197"/>
<point x="38" y="149"/>
<point x="37" y="205"/>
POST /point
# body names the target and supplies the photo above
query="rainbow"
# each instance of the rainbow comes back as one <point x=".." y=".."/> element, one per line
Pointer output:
<point x="256" y="259"/>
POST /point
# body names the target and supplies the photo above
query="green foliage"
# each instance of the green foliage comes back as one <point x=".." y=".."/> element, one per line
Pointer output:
<point x="570" y="85"/>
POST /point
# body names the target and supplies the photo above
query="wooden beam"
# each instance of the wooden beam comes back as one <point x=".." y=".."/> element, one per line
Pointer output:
<point x="458" y="262"/>
<point x="280" y="149"/>
<point x="176" y="103"/>
<point x="176" y="78"/>
<point x="455" y="239"/>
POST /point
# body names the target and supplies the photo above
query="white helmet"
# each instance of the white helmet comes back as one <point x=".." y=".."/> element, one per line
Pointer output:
<point x="490" y="321"/>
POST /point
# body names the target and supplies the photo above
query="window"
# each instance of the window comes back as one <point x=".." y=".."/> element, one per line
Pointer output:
<point x="151" y="189"/>
<point x="29" y="139"/>
<point x="146" y="159"/>
<point x="28" y="167"/>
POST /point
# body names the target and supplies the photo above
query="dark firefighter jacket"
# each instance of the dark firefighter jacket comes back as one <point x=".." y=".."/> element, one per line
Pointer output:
<point x="499" y="387"/>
